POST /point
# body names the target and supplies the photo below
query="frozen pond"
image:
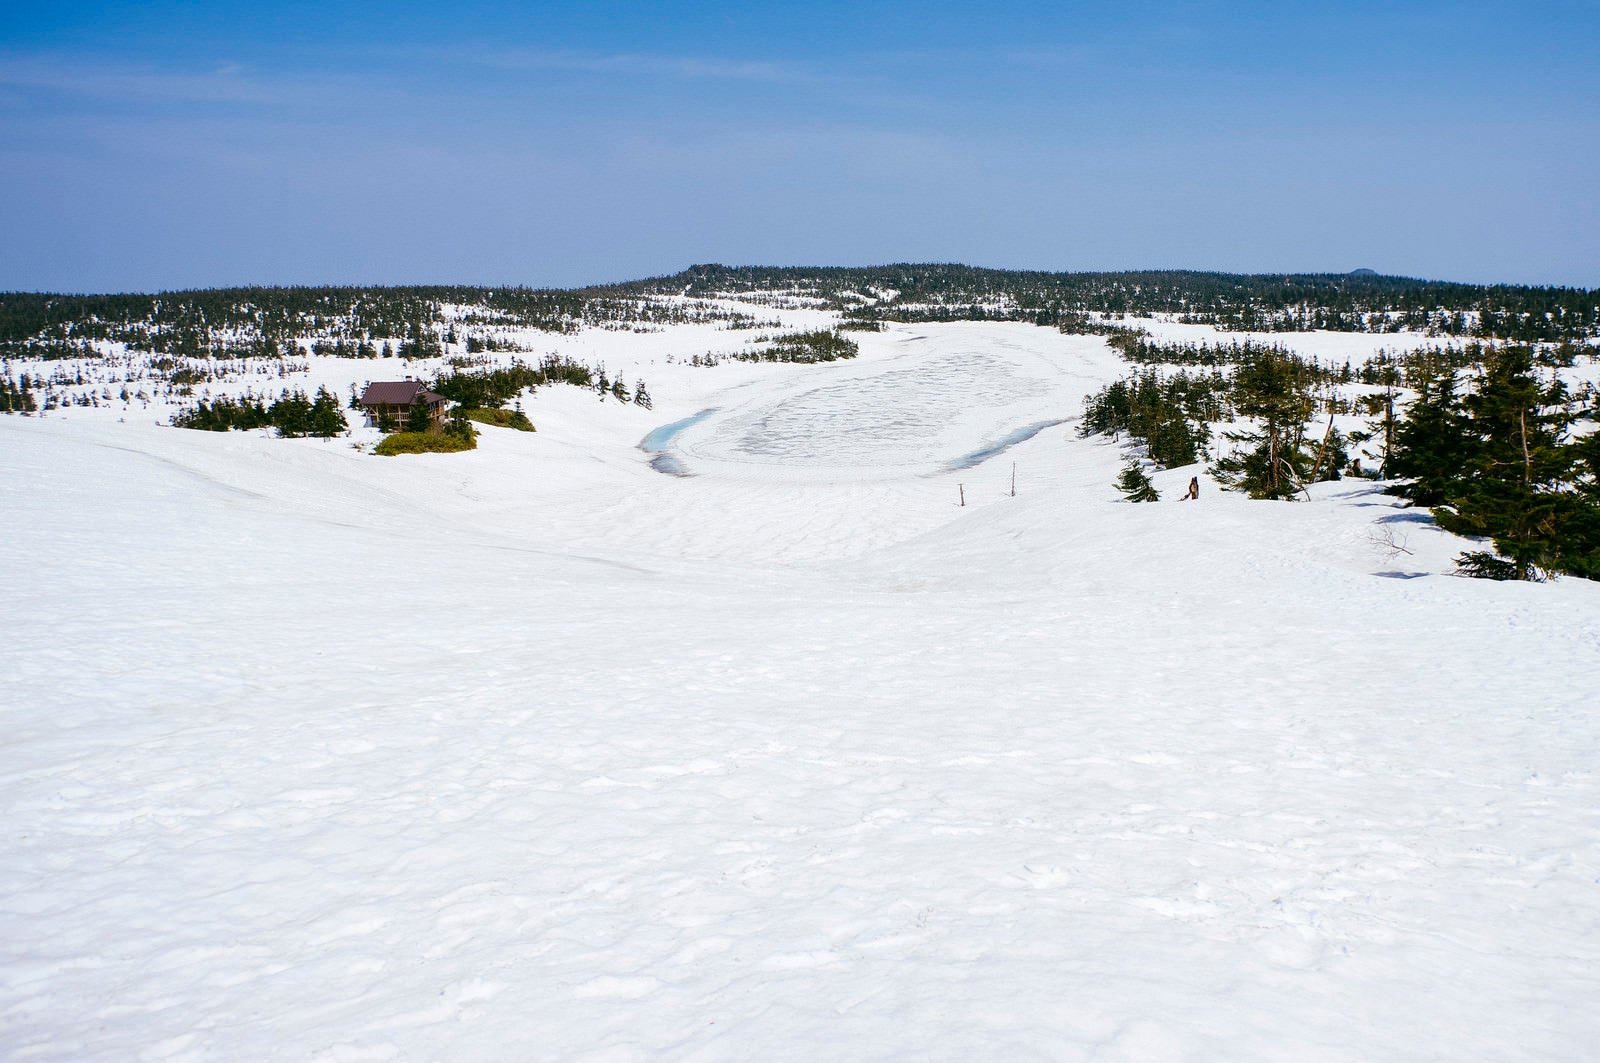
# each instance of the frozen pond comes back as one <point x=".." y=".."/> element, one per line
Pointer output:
<point x="937" y="403"/>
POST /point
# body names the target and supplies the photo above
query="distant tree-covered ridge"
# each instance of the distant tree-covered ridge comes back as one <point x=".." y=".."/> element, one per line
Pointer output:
<point x="411" y="321"/>
<point x="349" y="322"/>
<point x="1355" y="302"/>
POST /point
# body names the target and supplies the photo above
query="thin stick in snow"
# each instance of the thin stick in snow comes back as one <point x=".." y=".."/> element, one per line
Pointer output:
<point x="1316" y="470"/>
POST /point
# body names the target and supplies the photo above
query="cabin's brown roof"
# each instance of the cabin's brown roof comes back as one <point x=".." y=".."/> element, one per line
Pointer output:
<point x="398" y="393"/>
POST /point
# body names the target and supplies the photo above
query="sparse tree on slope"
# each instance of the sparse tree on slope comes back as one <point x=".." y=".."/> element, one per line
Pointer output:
<point x="1270" y="386"/>
<point x="1135" y="485"/>
<point x="1513" y="486"/>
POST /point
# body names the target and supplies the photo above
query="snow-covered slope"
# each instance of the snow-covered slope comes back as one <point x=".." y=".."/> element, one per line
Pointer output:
<point x="537" y="753"/>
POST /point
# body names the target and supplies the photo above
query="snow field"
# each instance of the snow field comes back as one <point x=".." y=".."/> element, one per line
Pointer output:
<point x="534" y="752"/>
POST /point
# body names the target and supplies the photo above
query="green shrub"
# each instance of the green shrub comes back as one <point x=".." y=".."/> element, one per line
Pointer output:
<point x="501" y="418"/>
<point x="425" y="443"/>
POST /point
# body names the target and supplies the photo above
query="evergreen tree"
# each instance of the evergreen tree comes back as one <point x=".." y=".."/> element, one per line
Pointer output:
<point x="1389" y="377"/>
<point x="1513" y="487"/>
<point x="1167" y="413"/>
<point x="641" y="397"/>
<point x="1432" y="443"/>
<point x="1172" y="442"/>
<point x="15" y="397"/>
<point x="418" y="419"/>
<point x="1581" y="516"/>
<point x="325" y="419"/>
<point x="1586" y="454"/>
<point x="1108" y="412"/>
<point x="459" y="427"/>
<point x="1272" y="387"/>
<point x="1483" y="564"/>
<point x="1135" y="485"/>
<point x="292" y="414"/>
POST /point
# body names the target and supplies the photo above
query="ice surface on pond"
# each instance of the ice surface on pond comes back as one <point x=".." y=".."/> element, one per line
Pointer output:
<point x="1000" y="446"/>
<point x="659" y="443"/>
<point x="661" y="438"/>
<point x="889" y="419"/>
<point x="919" y="410"/>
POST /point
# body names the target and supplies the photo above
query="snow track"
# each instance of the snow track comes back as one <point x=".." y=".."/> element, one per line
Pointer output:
<point x="535" y="753"/>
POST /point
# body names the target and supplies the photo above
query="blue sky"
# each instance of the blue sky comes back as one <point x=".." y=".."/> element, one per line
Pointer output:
<point x="163" y="145"/>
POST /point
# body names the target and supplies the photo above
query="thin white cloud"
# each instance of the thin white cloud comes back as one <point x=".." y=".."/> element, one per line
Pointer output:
<point x="637" y="65"/>
<point x="87" y="78"/>
<point x="90" y="78"/>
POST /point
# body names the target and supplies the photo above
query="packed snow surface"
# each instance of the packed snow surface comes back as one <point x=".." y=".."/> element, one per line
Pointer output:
<point x="536" y="753"/>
